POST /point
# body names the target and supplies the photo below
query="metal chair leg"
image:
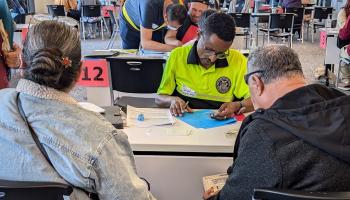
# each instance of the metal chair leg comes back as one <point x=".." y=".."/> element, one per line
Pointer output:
<point x="263" y="39"/>
<point x="113" y="36"/>
<point x="83" y="26"/>
<point x="104" y="21"/>
<point x="302" y="33"/>
<point x="312" y="32"/>
<point x="101" y="21"/>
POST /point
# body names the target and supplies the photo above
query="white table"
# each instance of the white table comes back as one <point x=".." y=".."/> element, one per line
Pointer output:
<point x="175" y="158"/>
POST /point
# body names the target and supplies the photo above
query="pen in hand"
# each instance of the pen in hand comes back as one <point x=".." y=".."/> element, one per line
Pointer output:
<point x="185" y="108"/>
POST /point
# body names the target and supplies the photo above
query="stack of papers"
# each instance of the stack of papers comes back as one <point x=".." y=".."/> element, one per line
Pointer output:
<point x="151" y="117"/>
<point x="202" y="119"/>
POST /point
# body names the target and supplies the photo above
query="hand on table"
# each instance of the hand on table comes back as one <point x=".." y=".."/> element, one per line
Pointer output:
<point x="226" y="110"/>
<point x="178" y="107"/>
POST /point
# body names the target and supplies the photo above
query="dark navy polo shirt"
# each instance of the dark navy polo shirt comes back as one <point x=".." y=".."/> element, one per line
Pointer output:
<point x="148" y="13"/>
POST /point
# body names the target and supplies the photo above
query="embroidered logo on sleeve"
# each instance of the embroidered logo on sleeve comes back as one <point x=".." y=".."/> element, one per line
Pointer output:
<point x="223" y="84"/>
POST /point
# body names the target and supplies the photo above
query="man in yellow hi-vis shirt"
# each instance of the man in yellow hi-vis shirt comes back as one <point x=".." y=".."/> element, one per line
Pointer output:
<point x="207" y="74"/>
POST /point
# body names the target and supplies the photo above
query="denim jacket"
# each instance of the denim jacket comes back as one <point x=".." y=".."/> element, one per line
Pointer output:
<point x="85" y="149"/>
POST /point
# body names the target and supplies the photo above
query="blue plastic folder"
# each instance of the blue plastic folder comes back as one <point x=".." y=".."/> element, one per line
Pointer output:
<point x="202" y="119"/>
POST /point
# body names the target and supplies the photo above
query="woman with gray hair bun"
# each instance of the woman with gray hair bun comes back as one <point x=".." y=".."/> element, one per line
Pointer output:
<point x="82" y="148"/>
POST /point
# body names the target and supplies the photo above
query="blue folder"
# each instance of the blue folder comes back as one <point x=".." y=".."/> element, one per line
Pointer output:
<point x="202" y="119"/>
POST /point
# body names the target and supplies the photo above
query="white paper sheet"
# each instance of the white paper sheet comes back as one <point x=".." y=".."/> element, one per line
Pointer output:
<point x="152" y="117"/>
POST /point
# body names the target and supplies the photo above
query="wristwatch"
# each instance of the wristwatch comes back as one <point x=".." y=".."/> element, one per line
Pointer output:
<point x="241" y="104"/>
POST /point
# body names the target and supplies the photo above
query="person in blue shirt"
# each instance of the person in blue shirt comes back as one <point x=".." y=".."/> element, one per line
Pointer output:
<point x="142" y="22"/>
<point x="9" y="56"/>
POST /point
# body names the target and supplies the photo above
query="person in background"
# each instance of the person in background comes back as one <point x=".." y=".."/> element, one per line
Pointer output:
<point x="239" y="6"/>
<point x="296" y="138"/>
<point x="344" y="34"/>
<point x="92" y="26"/>
<point x="189" y="30"/>
<point x="204" y="17"/>
<point x="343" y="14"/>
<point x="18" y="9"/>
<point x="175" y="16"/>
<point x="201" y="22"/>
<point x="290" y="3"/>
<point x="142" y="23"/>
<point x="71" y="7"/>
<point x="207" y="74"/>
<point x="84" y="148"/>
<point x="9" y="52"/>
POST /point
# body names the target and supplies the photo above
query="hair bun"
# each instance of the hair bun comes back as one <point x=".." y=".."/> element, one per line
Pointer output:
<point x="46" y="65"/>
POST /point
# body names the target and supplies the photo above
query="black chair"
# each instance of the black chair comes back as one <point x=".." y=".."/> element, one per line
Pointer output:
<point x="298" y="21"/>
<point x="17" y="190"/>
<point x="243" y="21"/>
<point x="115" y="29"/>
<point x="56" y="10"/>
<point x="319" y="15"/>
<point x="91" y="11"/>
<point x="278" y="24"/>
<point x="135" y="75"/>
<point x="282" y="194"/>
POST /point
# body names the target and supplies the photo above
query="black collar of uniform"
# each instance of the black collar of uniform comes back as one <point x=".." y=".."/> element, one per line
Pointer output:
<point x="193" y="58"/>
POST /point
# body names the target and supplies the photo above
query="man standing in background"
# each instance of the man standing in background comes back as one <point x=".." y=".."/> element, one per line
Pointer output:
<point x="189" y="29"/>
<point x="142" y="22"/>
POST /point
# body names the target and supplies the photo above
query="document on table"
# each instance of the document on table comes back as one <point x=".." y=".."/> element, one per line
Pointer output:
<point x="202" y="119"/>
<point x="91" y="107"/>
<point x="150" y="117"/>
<point x="217" y="182"/>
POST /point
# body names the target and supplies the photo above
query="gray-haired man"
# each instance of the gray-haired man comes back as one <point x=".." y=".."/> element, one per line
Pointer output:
<point x="297" y="138"/>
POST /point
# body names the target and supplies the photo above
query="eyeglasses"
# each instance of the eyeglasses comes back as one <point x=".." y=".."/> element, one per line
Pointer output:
<point x="208" y="53"/>
<point x="247" y="76"/>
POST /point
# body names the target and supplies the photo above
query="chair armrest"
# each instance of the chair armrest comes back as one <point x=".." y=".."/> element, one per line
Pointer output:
<point x="278" y="194"/>
<point x="63" y="188"/>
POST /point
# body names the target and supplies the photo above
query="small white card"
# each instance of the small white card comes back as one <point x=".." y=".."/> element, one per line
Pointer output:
<point x="91" y="107"/>
<point x="217" y="181"/>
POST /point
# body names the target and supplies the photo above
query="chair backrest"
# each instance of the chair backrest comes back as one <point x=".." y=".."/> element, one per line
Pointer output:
<point x="281" y="21"/>
<point x="56" y="10"/>
<point x="136" y="75"/>
<point x="299" y="14"/>
<point x="91" y="11"/>
<point x="322" y="12"/>
<point x="14" y="190"/>
<point x="264" y="19"/>
<point x="241" y="19"/>
<point x="30" y="6"/>
<point x="282" y="194"/>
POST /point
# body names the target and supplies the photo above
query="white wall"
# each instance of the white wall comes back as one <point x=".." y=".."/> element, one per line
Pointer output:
<point x="40" y="5"/>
